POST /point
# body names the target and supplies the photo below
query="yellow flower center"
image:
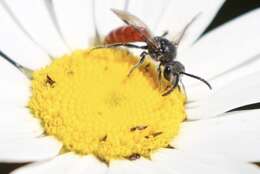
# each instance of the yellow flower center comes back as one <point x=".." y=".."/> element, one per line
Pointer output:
<point x="89" y="103"/>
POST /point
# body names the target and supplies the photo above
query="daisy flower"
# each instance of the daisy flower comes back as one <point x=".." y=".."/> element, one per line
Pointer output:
<point x="75" y="111"/>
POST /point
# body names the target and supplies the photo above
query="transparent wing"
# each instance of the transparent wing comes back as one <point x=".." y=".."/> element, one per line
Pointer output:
<point x="180" y="35"/>
<point x="140" y="26"/>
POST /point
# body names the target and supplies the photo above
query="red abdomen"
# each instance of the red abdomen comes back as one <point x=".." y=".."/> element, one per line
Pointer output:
<point x="125" y="34"/>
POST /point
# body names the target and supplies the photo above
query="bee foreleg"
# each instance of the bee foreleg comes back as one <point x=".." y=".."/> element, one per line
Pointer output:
<point x="141" y="61"/>
<point x="159" y="74"/>
<point x="183" y="88"/>
<point x="174" y="82"/>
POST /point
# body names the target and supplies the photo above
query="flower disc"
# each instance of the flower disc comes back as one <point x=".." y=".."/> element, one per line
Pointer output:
<point x="89" y="103"/>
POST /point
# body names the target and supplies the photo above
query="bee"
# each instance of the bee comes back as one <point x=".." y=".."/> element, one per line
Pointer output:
<point x="158" y="48"/>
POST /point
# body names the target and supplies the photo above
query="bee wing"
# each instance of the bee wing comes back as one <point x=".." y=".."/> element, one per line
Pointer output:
<point x="180" y="35"/>
<point x="140" y="26"/>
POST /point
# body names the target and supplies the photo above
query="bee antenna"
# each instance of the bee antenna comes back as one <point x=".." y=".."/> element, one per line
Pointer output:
<point x="198" y="78"/>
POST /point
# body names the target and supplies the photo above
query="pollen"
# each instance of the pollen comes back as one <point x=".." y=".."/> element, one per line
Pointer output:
<point x="87" y="101"/>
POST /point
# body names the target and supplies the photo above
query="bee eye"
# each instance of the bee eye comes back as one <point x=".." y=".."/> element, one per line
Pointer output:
<point x="167" y="70"/>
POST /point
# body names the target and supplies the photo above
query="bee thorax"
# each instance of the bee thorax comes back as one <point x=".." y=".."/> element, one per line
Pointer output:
<point x="166" y="51"/>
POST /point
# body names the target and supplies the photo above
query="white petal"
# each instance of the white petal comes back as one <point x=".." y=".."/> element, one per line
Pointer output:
<point x="105" y="19"/>
<point x="60" y="164"/>
<point x="38" y="23"/>
<point x="26" y="150"/>
<point x="149" y="12"/>
<point x="76" y="22"/>
<point x="17" y="45"/>
<point x="244" y="69"/>
<point x="184" y="163"/>
<point x="66" y="164"/>
<point x="14" y="86"/>
<point x="224" y="48"/>
<point x="139" y="166"/>
<point x="18" y="123"/>
<point x="235" y="135"/>
<point x="179" y="13"/>
<point x="238" y="93"/>
<point x="89" y="163"/>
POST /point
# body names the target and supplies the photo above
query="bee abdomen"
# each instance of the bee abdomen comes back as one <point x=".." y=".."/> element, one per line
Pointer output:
<point x="124" y="34"/>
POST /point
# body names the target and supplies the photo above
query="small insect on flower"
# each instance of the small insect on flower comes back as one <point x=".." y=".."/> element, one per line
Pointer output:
<point x="158" y="48"/>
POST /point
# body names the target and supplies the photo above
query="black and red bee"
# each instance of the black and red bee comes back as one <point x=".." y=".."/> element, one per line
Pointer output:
<point x="158" y="48"/>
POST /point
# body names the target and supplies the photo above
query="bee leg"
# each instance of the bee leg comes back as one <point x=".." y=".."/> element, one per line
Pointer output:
<point x="159" y="75"/>
<point x="141" y="61"/>
<point x="127" y="45"/>
<point x="119" y="45"/>
<point x="174" y="85"/>
<point x="165" y="33"/>
<point x="184" y="30"/>
<point x="183" y="88"/>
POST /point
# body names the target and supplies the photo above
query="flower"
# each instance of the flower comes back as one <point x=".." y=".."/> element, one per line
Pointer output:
<point x="210" y="141"/>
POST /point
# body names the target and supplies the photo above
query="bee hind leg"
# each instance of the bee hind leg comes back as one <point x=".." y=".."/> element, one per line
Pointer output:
<point x="118" y="45"/>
